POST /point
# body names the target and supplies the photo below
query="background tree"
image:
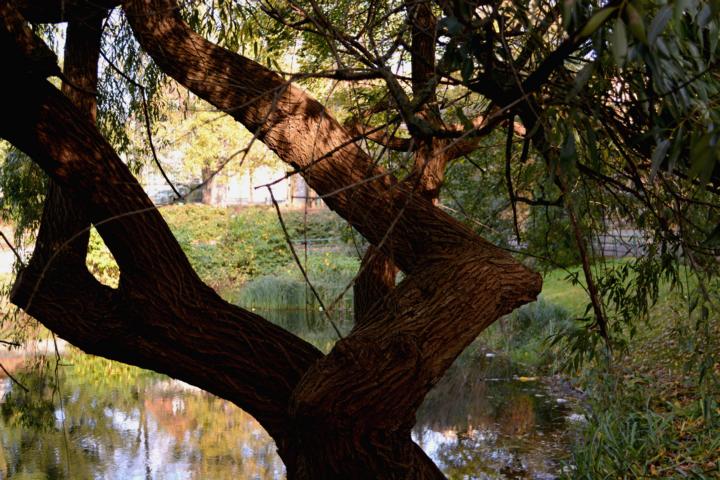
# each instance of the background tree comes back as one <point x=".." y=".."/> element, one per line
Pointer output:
<point x="202" y="148"/>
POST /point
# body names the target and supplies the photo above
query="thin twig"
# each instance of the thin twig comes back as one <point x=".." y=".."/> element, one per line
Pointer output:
<point x="57" y="388"/>
<point x="299" y="263"/>
<point x="508" y="177"/>
<point x="13" y="379"/>
<point x="146" y="114"/>
<point x="12" y="247"/>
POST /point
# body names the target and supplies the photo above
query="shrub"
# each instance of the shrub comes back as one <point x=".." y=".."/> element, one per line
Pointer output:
<point x="524" y="334"/>
<point x="330" y="273"/>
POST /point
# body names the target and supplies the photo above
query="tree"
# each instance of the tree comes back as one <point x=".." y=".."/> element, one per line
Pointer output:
<point x="346" y="414"/>
<point x="205" y="148"/>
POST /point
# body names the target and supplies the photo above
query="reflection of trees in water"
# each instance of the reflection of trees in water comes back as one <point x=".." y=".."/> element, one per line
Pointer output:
<point x="3" y="464"/>
<point x="312" y="325"/>
<point x="34" y="442"/>
<point x="518" y="417"/>
<point x="118" y="426"/>
<point x="222" y="440"/>
<point x="479" y="423"/>
<point x="123" y="422"/>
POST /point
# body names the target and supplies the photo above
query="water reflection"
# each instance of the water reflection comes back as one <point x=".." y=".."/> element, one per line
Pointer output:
<point x="119" y="422"/>
<point x="481" y="421"/>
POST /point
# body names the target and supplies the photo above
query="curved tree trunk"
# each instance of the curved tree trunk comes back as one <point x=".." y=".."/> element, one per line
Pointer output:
<point x="344" y="415"/>
<point x="374" y="282"/>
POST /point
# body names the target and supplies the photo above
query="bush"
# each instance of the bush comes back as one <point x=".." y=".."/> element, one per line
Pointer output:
<point x="230" y="246"/>
<point x="524" y="334"/>
<point x="101" y="262"/>
<point x="330" y="273"/>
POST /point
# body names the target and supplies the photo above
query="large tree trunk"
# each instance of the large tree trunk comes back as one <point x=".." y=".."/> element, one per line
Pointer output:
<point x="344" y="415"/>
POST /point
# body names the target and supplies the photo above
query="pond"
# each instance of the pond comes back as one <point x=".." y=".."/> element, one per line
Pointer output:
<point x="96" y="419"/>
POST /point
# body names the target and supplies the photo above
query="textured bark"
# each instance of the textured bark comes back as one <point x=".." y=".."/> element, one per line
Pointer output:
<point x="209" y="184"/>
<point x="162" y="316"/>
<point x="374" y="282"/>
<point x="64" y="227"/>
<point x="363" y="395"/>
<point x="345" y="415"/>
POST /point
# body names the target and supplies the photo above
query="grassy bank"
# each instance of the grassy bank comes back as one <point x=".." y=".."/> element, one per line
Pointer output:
<point x="330" y="273"/>
<point x="230" y="246"/>
<point x="651" y="406"/>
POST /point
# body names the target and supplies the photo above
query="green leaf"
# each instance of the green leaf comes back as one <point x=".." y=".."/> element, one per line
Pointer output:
<point x="567" y="8"/>
<point x="704" y="16"/>
<point x="659" y="23"/>
<point x="713" y="239"/>
<point x="581" y="79"/>
<point x="463" y="118"/>
<point x="715" y="6"/>
<point x="677" y="147"/>
<point x="714" y="34"/>
<point x="596" y="21"/>
<point x="702" y="156"/>
<point x="467" y="69"/>
<point x="679" y="8"/>
<point x="593" y="150"/>
<point x="658" y="156"/>
<point x="619" y="42"/>
<point x="636" y="24"/>
<point x="569" y="152"/>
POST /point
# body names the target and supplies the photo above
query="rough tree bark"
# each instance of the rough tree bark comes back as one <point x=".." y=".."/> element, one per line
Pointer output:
<point x="344" y="415"/>
<point x="376" y="278"/>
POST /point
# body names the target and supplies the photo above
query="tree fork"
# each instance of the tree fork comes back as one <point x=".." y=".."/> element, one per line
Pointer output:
<point x="377" y="271"/>
<point x="374" y="282"/>
<point x="162" y="317"/>
<point x="365" y="392"/>
<point x="64" y="226"/>
<point x="371" y="383"/>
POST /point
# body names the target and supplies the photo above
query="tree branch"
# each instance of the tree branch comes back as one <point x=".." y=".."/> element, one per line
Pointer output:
<point x="380" y="137"/>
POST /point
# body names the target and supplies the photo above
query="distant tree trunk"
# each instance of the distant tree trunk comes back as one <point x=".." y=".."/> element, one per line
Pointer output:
<point x="209" y="185"/>
<point x="251" y="189"/>
<point x="344" y="415"/>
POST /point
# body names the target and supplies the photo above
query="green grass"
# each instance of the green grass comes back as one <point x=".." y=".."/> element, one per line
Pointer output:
<point x="559" y="287"/>
<point x="637" y="441"/>
<point x="285" y="288"/>
<point x="228" y="247"/>
<point x="651" y="414"/>
<point x="559" y="290"/>
<point x="523" y="335"/>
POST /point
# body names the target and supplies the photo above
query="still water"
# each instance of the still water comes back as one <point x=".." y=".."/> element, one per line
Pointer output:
<point x="95" y="419"/>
